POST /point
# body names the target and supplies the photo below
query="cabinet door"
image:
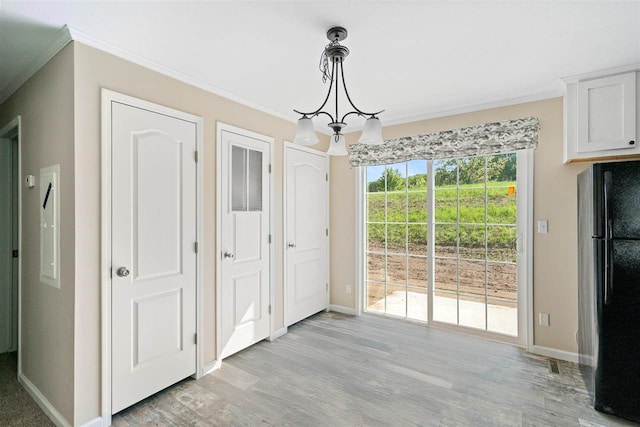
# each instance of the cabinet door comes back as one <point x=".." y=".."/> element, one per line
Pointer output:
<point x="607" y="113"/>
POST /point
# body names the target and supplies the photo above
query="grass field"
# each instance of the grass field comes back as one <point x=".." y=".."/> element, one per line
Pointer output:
<point x="466" y="206"/>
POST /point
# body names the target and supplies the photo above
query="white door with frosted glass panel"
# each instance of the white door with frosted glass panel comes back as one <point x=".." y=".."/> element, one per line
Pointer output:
<point x="306" y="234"/>
<point x="244" y="251"/>
<point x="153" y="254"/>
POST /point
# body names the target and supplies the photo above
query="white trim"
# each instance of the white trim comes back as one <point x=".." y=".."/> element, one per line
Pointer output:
<point x="105" y="258"/>
<point x="277" y="334"/>
<point x="285" y="237"/>
<point x="595" y="74"/>
<point x="528" y="242"/>
<point x="96" y="422"/>
<point x="200" y="239"/>
<point x="431" y="248"/>
<point x="272" y="233"/>
<point x="468" y="109"/>
<point x="524" y="159"/>
<point x="107" y="97"/>
<point x="466" y="330"/>
<point x="130" y="56"/>
<point x="342" y="309"/>
<point x="11" y="129"/>
<point x="60" y="40"/>
<point x="554" y="353"/>
<point x="359" y="286"/>
<point x="285" y="254"/>
<point x="43" y="402"/>
<point x="524" y="187"/>
<point x="207" y="368"/>
<point x="221" y="127"/>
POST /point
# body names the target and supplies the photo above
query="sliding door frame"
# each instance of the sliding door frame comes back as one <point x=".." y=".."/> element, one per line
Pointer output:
<point x="524" y="188"/>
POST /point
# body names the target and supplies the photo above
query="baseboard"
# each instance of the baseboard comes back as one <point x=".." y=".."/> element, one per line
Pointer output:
<point x="343" y="309"/>
<point x="207" y="368"/>
<point x="96" y="422"/>
<point x="554" y="353"/>
<point x="277" y="334"/>
<point x="42" y="402"/>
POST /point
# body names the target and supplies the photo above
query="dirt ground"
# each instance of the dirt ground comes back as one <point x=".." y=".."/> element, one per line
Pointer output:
<point x="501" y="278"/>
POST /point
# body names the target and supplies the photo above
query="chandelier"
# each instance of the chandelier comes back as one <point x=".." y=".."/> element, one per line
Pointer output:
<point x="333" y="56"/>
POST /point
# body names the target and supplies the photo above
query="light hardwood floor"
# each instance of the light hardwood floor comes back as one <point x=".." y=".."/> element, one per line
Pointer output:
<point x="337" y="370"/>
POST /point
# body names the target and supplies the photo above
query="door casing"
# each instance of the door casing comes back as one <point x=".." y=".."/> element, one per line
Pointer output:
<point x="11" y="131"/>
<point x="109" y="96"/>
<point x="221" y="127"/>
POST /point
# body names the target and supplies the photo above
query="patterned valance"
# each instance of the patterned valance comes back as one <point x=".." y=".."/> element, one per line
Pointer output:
<point x="488" y="138"/>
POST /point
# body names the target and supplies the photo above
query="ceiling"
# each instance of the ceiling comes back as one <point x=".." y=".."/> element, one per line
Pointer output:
<point x="413" y="59"/>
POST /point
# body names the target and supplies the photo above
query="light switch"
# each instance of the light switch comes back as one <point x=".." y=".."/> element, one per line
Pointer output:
<point x="543" y="226"/>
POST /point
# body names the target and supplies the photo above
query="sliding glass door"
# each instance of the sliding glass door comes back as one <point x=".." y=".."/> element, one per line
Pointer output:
<point x="444" y="241"/>
<point x="396" y="245"/>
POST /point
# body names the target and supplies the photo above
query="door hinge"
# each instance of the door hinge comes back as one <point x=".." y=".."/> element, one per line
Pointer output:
<point x="196" y="247"/>
<point x="195" y="339"/>
<point x="269" y="238"/>
<point x="327" y="287"/>
<point x="196" y="156"/>
<point x="327" y="177"/>
<point x="15" y="253"/>
<point x="327" y="232"/>
<point x="269" y="308"/>
<point x="269" y="167"/>
<point x="111" y="273"/>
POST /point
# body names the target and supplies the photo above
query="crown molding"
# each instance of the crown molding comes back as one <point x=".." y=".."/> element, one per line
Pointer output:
<point x="60" y="40"/>
<point x="468" y="109"/>
<point x="601" y="73"/>
<point x="125" y="54"/>
<point x="67" y="34"/>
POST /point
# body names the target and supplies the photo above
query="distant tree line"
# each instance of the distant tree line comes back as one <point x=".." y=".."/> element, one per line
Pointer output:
<point x="469" y="169"/>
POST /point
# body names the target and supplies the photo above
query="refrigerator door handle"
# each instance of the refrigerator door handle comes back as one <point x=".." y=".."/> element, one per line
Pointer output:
<point x="608" y="220"/>
<point x="608" y="272"/>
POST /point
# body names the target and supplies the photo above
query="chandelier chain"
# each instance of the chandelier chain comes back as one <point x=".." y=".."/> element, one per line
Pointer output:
<point x="324" y="63"/>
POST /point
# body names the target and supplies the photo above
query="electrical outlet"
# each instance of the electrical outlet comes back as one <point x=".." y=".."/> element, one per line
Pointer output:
<point x="543" y="319"/>
<point x="348" y="289"/>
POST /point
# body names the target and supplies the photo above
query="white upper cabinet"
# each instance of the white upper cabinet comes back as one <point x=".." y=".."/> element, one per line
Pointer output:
<point x="601" y="117"/>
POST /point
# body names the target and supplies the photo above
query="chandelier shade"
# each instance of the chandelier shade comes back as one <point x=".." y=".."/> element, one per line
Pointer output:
<point x="372" y="133"/>
<point x="338" y="145"/>
<point x="331" y="66"/>
<point x="305" y="132"/>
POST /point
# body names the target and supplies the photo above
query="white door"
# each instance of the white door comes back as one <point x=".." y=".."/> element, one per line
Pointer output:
<point x="307" y="289"/>
<point x="244" y="252"/>
<point x="153" y="252"/>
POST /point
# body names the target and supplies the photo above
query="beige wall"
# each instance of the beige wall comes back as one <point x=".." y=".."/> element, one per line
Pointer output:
<point x="94" y="70"/>
<point x="555" y="199"/>
<point x="45" y="103"/>
<point x="67" y="369"/>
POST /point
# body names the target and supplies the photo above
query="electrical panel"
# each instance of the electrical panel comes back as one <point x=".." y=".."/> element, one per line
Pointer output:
<point x="49" y="206"/>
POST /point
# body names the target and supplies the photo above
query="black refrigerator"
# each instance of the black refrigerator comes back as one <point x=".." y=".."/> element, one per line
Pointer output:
<point x="609" y="286"/>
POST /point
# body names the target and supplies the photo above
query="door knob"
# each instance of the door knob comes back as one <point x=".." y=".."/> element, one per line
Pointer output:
<point x="228" y="254"/>
<point x="122" y="272"/>
<point x="291" y="245"/>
